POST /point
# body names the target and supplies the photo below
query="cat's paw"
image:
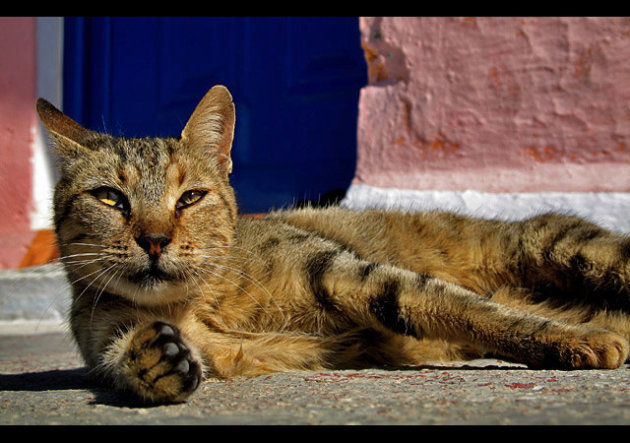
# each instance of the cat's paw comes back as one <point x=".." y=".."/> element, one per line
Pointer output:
<point x="160" y="366"/>
<point x="595" y="349"/>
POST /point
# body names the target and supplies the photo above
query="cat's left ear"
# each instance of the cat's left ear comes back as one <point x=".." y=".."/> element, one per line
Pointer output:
<point x="70" y="135"/>
<point x="211" y="126"/>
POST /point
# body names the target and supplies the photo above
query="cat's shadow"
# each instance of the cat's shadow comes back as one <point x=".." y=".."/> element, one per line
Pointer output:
<point x="52" y="380"/>
<point x="62" y="380"/>
<point x="79" y="379"/>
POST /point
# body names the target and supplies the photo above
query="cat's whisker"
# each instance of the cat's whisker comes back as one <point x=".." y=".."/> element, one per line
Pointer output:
<point x="250" y="279"/>
<point x="100" y="273"/>
<point x="96" y="245"/>
<point x="89" y="245"/>
<point x="201" y="291"/>
<point x="82" y="254"/>
<point x="55" y="298"/>
<point x="244" y="274"/>
<point x="79" y="254"/>
<point x="78" y="264"/>
<point x="231" y="247"/>
<point x="102" y="290"/>
<point x="245" y="291"/>
<point x="80" y="260"/>
<point x="228" y="258"/>
<point x="188" y="277"/>
<point x="134" y="300"/>
<point x="85" y="276"/>
<point x="83" y="260"/>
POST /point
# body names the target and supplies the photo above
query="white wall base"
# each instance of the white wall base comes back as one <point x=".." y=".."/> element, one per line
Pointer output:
<point x="610" y="210"/>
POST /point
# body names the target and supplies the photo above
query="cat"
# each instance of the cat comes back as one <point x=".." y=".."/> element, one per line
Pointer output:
<point x="171" y="285"/>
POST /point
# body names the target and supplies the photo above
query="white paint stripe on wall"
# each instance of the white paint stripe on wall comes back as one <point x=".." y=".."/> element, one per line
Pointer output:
<point x="49" y="85"/>
<point x="608" y="209"/>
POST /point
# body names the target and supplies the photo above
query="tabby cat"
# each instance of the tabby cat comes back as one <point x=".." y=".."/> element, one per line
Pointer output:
<point x="171" y="285"/>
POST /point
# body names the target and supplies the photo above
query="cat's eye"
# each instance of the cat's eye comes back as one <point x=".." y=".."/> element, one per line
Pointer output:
<point x="189" y="198"/>
<point x="110" y="197"/>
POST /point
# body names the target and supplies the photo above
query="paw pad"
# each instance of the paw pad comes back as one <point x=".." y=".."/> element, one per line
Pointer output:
<point x="164" y="364"/>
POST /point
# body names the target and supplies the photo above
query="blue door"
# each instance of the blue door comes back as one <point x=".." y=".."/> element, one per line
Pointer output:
<point x="295" y="83"/>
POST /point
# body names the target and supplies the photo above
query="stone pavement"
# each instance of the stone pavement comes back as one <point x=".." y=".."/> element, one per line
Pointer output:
<point x="43" y="382"/>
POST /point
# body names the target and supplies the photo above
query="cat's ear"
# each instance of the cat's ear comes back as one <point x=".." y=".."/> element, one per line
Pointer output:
<point x="68" y="134"/>
<point x="211" y="126"/>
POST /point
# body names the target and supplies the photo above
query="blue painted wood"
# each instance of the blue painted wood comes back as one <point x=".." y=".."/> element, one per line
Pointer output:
<point x="295" y="83"/>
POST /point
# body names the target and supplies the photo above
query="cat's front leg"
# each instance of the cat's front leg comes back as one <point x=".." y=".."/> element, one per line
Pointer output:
<point x="154" y="363"/>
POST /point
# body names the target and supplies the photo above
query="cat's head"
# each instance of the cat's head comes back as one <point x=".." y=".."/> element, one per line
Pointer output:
<point x="138" y="217"/>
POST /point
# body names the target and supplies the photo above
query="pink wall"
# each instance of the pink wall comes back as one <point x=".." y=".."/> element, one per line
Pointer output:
<point x="17" y="125"/>
<point x="496" y="104"/>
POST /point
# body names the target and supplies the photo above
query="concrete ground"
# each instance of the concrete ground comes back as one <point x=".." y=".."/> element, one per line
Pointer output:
<point x="44" y="382"/>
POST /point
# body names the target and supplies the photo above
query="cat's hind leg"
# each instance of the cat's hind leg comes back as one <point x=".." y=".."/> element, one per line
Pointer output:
<point x="569" y="257"/>
<point x="383" y="296"/>
<point x="571" y="265"/>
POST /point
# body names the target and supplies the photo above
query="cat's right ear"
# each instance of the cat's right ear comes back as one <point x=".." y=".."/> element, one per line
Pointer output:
<point x="211" y="126"/>
<point x="68" y="134"/>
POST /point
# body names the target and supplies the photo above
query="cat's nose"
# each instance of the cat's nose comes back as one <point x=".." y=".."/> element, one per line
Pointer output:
<point x="154" y="244"/>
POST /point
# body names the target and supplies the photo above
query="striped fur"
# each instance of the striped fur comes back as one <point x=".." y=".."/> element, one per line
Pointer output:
<point x="170" y="286"/>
